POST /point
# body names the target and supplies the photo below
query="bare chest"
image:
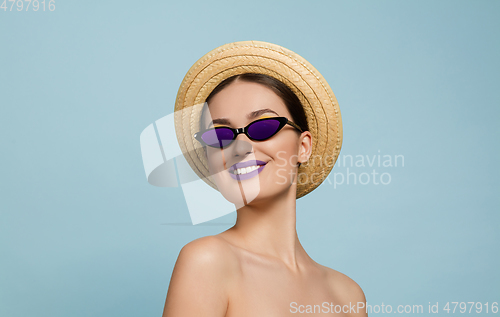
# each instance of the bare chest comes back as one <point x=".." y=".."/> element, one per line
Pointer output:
<point x="263" y="289"/>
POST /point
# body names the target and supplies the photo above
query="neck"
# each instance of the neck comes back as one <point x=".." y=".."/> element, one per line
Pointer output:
<point x="268" y="227"/>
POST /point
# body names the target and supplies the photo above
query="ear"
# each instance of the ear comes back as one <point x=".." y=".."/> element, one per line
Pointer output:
<point x="305" y="146"/>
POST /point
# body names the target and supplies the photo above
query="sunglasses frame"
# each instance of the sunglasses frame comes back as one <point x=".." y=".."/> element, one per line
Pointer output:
<point x="282" y="120"/>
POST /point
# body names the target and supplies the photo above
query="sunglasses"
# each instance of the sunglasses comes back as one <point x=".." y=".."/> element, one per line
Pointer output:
<point x="258" y="130"/>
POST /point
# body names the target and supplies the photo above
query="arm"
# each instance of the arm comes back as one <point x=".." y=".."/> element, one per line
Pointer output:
<point x="200" y="280"/>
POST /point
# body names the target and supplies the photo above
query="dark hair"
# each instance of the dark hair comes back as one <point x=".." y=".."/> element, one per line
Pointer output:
<point x="290" y="99"/>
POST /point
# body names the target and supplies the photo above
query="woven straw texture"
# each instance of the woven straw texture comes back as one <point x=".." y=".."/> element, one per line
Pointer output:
<point x="320" y="104"/>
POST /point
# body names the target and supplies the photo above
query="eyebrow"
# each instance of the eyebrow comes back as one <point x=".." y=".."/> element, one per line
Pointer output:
<point x="251" y="115"/>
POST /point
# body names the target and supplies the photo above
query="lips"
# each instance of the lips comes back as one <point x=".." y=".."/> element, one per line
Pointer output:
<point x="246" y="164"/>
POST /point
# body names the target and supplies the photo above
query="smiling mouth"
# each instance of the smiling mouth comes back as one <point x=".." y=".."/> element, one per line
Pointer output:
<point x="245" y="170"/>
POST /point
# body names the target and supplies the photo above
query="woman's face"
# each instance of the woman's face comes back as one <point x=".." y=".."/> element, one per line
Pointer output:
<point x="236" y="106"/>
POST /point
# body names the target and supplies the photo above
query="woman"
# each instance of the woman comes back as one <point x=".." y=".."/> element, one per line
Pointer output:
<point x="258" y="267"/>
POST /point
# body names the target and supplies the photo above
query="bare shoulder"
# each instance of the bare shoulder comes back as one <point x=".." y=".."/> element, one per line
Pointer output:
<point x="346" y="290"/>
<point x="342" y="283"/>
<point x="201" y="280"/>
<point x="206" y="246"/>
<point x="208" y="255"/>
<point x="211" y="254"/>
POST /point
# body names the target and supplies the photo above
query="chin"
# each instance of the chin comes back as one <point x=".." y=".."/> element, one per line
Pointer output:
<point x="237" y="192"/>
<point x="250" y="193"/>
<point x="261" y="187"/>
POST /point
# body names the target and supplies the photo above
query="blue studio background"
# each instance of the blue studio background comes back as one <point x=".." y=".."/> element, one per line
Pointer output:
<point x="82" y="232"/>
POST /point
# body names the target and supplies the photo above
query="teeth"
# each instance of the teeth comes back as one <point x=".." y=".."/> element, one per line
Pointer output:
<point x="245" y="170"/>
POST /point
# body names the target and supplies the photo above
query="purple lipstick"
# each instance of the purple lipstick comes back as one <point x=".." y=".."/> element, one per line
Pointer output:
<point x="241" y="166"/>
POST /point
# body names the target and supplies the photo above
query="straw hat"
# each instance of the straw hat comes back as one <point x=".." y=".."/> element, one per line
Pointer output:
<point x="320" y="105"/>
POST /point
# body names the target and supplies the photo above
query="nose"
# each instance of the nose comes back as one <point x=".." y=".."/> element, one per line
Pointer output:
<point x="242" y="146"/>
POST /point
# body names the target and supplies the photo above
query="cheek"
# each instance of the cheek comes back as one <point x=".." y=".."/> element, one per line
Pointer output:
<point x="283" y="152"/>
<point x="215" y="160"/>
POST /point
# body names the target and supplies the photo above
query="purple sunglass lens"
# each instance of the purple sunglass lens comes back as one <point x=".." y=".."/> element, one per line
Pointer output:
<point x="218" y="137"/>
<point x="264" y="129"/>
